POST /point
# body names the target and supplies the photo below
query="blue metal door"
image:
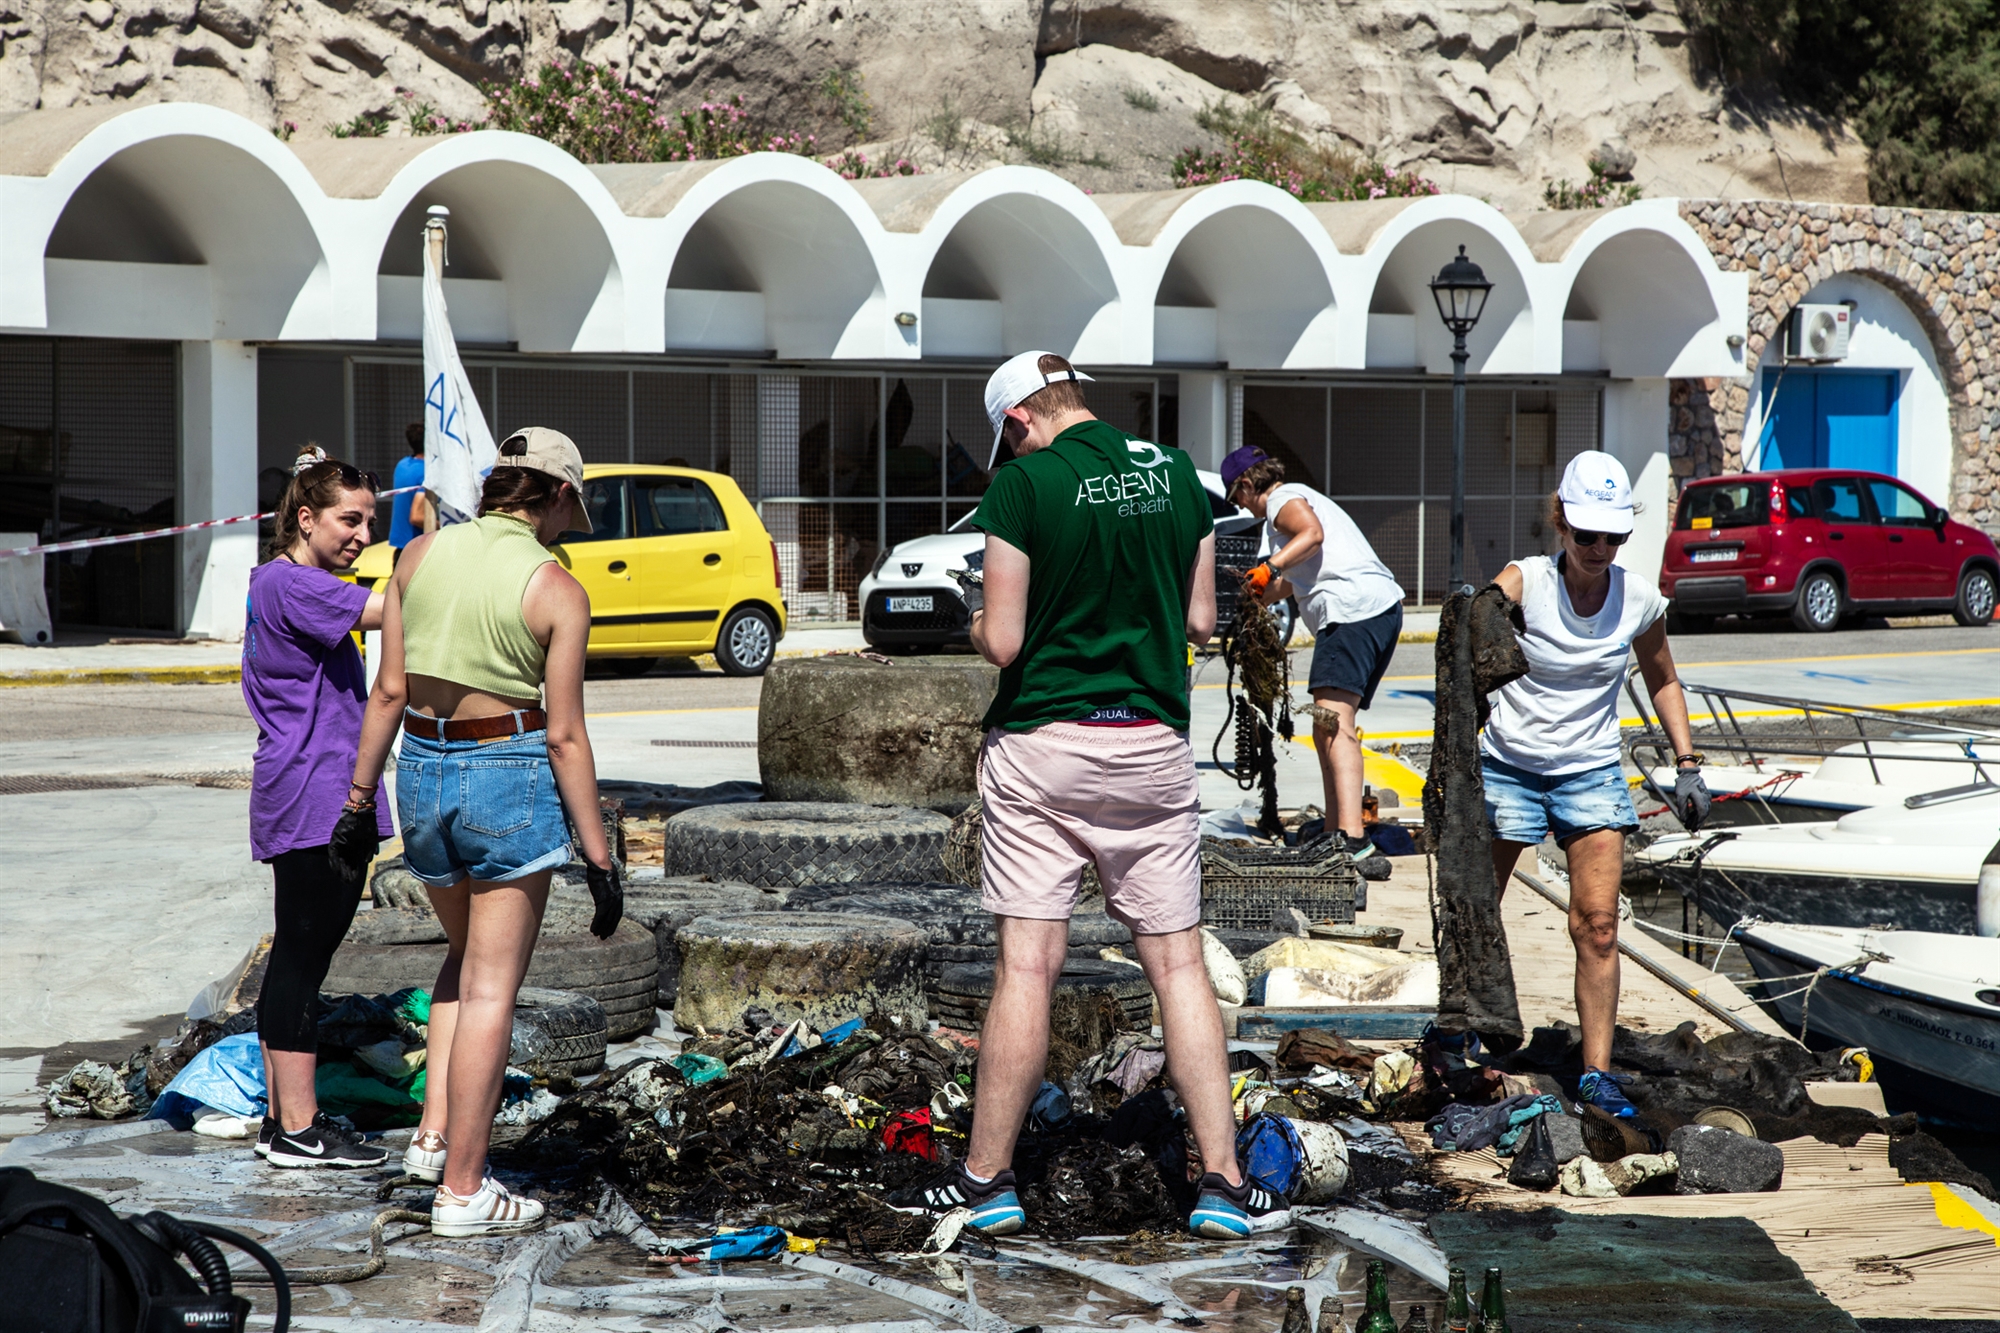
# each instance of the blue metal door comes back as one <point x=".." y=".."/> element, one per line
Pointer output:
<point x="1830" y="418"/>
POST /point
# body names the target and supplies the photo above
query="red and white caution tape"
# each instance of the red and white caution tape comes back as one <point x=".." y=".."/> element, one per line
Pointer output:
<point x="86" y="543"/>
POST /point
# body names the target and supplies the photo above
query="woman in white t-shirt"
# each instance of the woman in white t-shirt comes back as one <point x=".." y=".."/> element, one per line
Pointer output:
<point x="1551" y="759"/>
<point x="1351" y="603"/>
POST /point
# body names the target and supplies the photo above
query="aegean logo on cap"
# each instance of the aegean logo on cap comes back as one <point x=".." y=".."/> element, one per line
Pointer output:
<point x="1607" y="495"/>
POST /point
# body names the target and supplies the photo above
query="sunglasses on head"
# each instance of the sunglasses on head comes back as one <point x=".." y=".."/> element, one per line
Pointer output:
<point x="1582" y="538"/>
<point x="350" y="476"/>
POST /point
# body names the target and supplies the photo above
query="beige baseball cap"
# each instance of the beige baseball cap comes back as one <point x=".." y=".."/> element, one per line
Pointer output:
<point x="550" y="451"/>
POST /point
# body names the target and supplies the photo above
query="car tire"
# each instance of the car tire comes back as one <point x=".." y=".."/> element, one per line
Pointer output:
<point x="557" y="1033"/>
<point x="1820" y="603"/>
<point x="1977" y="594"/>
<point x="630" y="667"/>
<point x="746" y="643"/>
<point x="788" y="843"/>
<point x="621" y="974"/>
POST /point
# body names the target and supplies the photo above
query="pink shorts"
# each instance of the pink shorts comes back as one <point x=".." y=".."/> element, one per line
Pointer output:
<point x="1066" y="794"/>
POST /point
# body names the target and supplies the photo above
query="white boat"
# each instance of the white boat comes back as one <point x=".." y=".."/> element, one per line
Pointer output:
<point x="1927" y="1007"/>
<point x="1795" y="789"/>
<point x="1889" y="866"/>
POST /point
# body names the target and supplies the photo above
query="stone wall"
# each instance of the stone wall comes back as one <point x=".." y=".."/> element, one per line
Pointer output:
<point x="1944" y="267"/>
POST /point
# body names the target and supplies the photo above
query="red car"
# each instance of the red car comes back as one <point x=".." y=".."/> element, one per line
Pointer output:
<point x="1819" y="544"/>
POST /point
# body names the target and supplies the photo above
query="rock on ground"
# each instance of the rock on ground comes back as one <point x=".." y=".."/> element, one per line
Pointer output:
<point x="1714" y="1160"/>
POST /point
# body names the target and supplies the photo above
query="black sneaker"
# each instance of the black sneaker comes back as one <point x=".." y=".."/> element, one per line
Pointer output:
<point x="265" y="1133"/>
<point x="1231" y="1212"/>
<point x="995" y="1207"/>
<point x="323" y="1144"/>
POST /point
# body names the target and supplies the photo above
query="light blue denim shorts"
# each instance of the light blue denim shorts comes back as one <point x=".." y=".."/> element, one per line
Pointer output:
<point x="1526" y="807"/>
<point x="488" y="810"/>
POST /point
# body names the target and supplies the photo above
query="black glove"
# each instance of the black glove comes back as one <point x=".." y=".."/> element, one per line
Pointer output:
<point x="609" y="894"/>
<point x="972" y="587"/>
<point x="1691" y="798"/>
<point x="354" y="843"/>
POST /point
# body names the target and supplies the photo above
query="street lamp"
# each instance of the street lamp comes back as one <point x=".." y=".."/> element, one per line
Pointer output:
<point x="1460" y="291"/>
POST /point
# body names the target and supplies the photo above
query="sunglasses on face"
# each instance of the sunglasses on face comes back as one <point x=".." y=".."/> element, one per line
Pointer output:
<point x="1593" y="538"/>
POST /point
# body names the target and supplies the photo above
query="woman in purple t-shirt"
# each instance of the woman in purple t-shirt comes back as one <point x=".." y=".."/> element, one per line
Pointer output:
<point x="303" y="680"/>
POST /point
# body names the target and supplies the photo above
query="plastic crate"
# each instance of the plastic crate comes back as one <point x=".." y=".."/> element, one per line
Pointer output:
<point x="1242" y="885"/>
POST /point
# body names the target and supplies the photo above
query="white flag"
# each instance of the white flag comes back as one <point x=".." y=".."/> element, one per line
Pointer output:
<point x="458" y="448"/>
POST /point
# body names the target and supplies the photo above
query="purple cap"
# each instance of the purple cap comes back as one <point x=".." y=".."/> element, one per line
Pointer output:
<point x="1238" y="463"/>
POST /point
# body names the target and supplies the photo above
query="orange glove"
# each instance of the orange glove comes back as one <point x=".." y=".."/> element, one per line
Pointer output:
<point x="1259" y="578"/>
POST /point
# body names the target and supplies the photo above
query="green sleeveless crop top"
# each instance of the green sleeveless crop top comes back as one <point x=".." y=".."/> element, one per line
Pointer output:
<point x="462" y="618"/>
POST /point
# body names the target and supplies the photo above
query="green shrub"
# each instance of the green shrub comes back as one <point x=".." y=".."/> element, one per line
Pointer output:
<point x="580" y="108"/>
<point x="1919" y="80"/>
<point x="367" y="125"/>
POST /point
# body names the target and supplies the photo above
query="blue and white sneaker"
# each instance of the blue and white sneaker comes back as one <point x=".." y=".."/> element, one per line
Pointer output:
<point x="995" y="1207"/>
<point x="1606" y="1093"/>
<point x="1230" y="1212"/>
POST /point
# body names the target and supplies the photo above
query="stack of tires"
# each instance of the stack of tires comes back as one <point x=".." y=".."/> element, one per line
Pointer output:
<point x="966" y="989"/>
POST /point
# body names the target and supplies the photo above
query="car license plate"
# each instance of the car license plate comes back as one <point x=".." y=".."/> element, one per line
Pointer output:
<point x="1702" y="557"/>
<point x="900" y="604"/>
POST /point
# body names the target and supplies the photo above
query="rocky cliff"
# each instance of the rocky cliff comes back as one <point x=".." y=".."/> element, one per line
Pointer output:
<point x="1489" y="97"/>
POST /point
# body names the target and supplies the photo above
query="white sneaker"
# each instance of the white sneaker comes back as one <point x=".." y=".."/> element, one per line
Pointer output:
<point x="490" y="1212"/>
<point x="424" y="1158"/>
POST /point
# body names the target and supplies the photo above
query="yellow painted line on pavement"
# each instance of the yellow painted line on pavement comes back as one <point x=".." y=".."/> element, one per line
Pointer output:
<point x="1909" y="707"/>
<point x="217" y="674"/>
<point x="1793" y="661"/>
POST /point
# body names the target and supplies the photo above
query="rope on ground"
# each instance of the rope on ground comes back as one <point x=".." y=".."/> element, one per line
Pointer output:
<point x="377" y="1260"/>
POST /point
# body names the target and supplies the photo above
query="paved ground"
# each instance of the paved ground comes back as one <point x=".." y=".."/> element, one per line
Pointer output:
<point x="116" y="906"/>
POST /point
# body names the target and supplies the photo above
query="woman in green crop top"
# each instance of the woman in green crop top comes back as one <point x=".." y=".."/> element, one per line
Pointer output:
<point x="483" y="637"/>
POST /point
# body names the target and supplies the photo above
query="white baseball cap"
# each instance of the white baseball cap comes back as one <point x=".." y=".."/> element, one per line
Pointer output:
<point x="1018" y="379"/>
<point x="1596" y="494"/>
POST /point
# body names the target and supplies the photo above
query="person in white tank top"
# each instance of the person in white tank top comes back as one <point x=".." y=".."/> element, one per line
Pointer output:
<point x="1551" y="756"/>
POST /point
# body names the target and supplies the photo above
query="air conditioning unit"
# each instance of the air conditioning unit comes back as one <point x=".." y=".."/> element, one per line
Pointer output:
<point x="1818" y="333"/>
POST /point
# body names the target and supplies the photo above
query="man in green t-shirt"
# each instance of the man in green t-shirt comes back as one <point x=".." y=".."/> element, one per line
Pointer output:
<point x="1099" y="571"/>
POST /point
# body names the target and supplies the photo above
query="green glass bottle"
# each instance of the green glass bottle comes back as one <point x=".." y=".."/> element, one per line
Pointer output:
<point x="1375" y="1316"/>
<point x="1492" y="1305"/>
<point x="1457" y="1304"/>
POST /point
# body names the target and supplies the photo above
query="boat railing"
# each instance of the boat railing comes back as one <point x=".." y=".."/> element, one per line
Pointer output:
<point x="1719" y="714"/>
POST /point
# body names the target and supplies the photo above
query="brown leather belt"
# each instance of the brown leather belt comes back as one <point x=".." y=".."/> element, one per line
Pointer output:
<point x="475" y="728"/>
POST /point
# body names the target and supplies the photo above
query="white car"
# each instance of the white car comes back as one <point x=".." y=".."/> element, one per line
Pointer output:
<point x="909" y="599"/>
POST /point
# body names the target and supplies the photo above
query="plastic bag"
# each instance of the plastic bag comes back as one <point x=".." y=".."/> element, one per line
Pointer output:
<point x="228" y="1076"/>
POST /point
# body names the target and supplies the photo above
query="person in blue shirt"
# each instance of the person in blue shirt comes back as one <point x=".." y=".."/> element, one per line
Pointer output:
<point x="404" y="526"/>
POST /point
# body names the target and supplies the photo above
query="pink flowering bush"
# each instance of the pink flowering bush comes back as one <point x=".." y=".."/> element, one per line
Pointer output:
<point x="1257" y="147"/>
<point x="1600" y="191"/>
<point x="854" y="165"/>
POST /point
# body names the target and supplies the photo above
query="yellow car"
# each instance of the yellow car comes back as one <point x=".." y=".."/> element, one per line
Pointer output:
<point x="678" y="564"/>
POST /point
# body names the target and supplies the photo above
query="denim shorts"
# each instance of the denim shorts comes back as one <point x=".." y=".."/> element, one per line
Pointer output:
<point x="1527" y="807"/>
<point x="488" y="810"/>
<point x="1355" y="656"/>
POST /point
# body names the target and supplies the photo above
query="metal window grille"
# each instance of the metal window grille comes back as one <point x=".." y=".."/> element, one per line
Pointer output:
<point x="1384" y="452"/>
<point x="89" y="446"/>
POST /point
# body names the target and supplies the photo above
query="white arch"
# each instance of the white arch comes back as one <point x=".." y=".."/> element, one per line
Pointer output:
<point x="1013" y="258"/>
<point x="531" y="216"/>
<point x="1404" y="254"/>
<point x="1238" y="273"/>
<point x="177" y="220"/>
<point x="772" y="245"/>
<point x="1641" y="295"/>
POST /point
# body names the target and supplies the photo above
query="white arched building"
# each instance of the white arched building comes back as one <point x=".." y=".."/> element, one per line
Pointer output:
<point x="184" y="299"/>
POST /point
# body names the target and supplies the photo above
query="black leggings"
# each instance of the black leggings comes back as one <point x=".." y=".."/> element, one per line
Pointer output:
<point x="315" y="908"/>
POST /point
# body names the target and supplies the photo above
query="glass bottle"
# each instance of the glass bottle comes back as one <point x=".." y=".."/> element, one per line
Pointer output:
<point x="1296" y="1318"/>
<point x="1457" y="1304"/>
<point x="1492" y="1305"/>
<point x="1418" y="1322"/>
<point x="1375" y="1316"/>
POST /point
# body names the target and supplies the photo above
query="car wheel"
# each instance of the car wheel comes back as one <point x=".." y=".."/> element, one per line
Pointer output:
<point x="1693" y="622"/>
<point x="1977" y="594"/>
<point x="747" y="643"/>
<point x="631" y="666"/>
<point x="1818" y="607"/>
